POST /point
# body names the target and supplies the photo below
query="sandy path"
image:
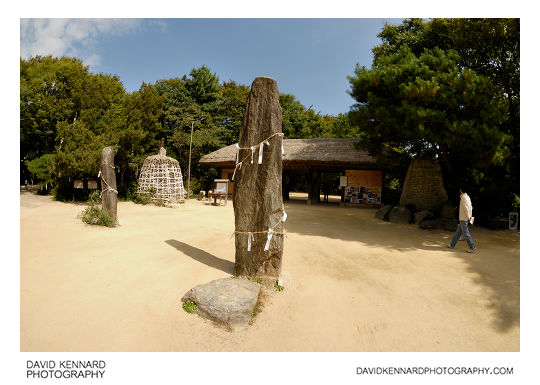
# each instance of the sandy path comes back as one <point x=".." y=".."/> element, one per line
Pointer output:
<point x="352" y="283"/>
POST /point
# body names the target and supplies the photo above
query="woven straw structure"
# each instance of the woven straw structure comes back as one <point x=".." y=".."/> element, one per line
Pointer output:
<point x="162" y="173"/>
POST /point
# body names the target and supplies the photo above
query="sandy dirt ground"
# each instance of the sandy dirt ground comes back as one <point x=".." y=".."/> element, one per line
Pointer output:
<point x="352" y="283"/>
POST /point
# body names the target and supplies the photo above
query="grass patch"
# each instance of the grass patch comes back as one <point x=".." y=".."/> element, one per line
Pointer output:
<point x="189" y="306"/>
<point x="278" y="287"/>
<point x="95" y="214"/>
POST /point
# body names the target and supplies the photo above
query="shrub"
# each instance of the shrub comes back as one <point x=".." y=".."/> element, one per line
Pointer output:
<point x="94" y="214"/>
<point x="142" y="198"/>
<point x="131" y="191"/>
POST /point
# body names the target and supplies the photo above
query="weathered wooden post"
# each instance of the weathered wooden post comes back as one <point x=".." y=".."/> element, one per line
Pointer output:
<point x="314" y="192"/>
<point x="258" y="203"/>
<point x="108" y="182"/>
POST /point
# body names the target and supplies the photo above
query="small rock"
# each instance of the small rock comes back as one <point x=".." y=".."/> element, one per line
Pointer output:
<point x="382" y="213"/>
<point x="448" y="211"/>
<point x="228" y="301"/>
<point x="421" y="215"/>
<point x="399" y="214"/>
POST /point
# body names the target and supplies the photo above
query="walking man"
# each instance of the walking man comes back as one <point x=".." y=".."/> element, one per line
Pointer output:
<point x="465" y="215"/>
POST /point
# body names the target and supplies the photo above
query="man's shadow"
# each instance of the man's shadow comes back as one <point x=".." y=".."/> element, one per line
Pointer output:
<point x="202" y="256"/>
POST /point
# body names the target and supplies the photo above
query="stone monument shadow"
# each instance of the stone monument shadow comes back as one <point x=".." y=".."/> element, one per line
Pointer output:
<point x="203" y="256"/>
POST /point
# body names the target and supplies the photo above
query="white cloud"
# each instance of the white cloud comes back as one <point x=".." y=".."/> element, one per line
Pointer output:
<point x="70" y="37"/>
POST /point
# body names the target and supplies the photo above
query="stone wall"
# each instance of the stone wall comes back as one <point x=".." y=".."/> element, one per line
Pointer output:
<point x="424" y="187"/>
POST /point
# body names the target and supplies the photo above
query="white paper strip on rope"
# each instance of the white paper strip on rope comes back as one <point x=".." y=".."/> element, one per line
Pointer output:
<point x="232" y="235"/>
<point x="252" y="150"/>
<point x="267" y="246"/>
<point x="261" y="147"/>
<point x="284" y="216"/>
<point x="237" y="151"/>
<point x="250" y="239"/>
<point x="237" y="167"/>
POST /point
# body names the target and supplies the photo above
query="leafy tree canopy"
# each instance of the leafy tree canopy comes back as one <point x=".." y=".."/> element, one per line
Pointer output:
<point x="427" y="106"/>
<point x="489" y="48"/>
<point x="43" y="167"/>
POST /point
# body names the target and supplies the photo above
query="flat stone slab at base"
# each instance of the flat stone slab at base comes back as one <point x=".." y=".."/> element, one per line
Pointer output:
<point x="228" y="301"/>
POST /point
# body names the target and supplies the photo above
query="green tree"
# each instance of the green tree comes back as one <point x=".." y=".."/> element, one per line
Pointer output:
<point x="43" y="168"/>
<point x="49" y="94"/>
<point x="299" y="121"/>
<point x="202" y="85"/>
<point x="338" y="127"/>
<point x="427" y="106"/>
<point x="176" y="97"/>
<point x="78" y="152"/>
<point x="101" y="104"/>
<point x="490" y="47"/>
<point x="140" y="132"/>
<point x="231" y="109"/>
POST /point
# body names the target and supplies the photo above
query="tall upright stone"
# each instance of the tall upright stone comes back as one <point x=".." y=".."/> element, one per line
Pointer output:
<point x="108" y="182"/>
<point x="258" y="202"/>
<point x="423" y="186"/>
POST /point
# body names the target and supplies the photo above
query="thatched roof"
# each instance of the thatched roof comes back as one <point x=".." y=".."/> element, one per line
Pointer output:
<point x="327" y="152"/>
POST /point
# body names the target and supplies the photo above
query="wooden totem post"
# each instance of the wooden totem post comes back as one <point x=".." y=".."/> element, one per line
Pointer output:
<point x="108" y="182"/>
<point x="258" y="203"/>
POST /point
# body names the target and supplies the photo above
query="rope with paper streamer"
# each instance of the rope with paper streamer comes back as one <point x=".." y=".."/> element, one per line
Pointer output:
<point x="260" y="146"/>
<point x="109" y="188"/>
<point x="271" y="230"/>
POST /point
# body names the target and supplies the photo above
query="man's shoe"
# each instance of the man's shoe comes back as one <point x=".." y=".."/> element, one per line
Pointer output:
<point x="471" y="250"/>
<point x="450" y="246"/>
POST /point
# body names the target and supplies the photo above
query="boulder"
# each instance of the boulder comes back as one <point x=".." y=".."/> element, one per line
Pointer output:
<point x="448" y="211"/>
<point x="419" y="216"/>
<point x="228" y="301"/>
<point x="423" y="186"/>
<point x="382" y="213"/>
<point x="399" y="214"/>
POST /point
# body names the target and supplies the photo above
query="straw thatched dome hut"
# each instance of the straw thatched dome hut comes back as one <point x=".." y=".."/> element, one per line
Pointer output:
<point x="163" y="174"/>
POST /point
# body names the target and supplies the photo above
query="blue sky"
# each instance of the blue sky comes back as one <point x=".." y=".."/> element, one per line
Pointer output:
<point x="309" y="58"/>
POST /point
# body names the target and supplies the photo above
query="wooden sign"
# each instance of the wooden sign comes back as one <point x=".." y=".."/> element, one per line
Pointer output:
<point x="366" y="178"/>
<point x="92" y="184"/>
<point x="363" y="187"/>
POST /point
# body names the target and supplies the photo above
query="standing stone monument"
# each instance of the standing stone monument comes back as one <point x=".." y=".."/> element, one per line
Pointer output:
<point x="258" y="202"/>
<point x="423" y="186"/>
<point x="108" y="182"/>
